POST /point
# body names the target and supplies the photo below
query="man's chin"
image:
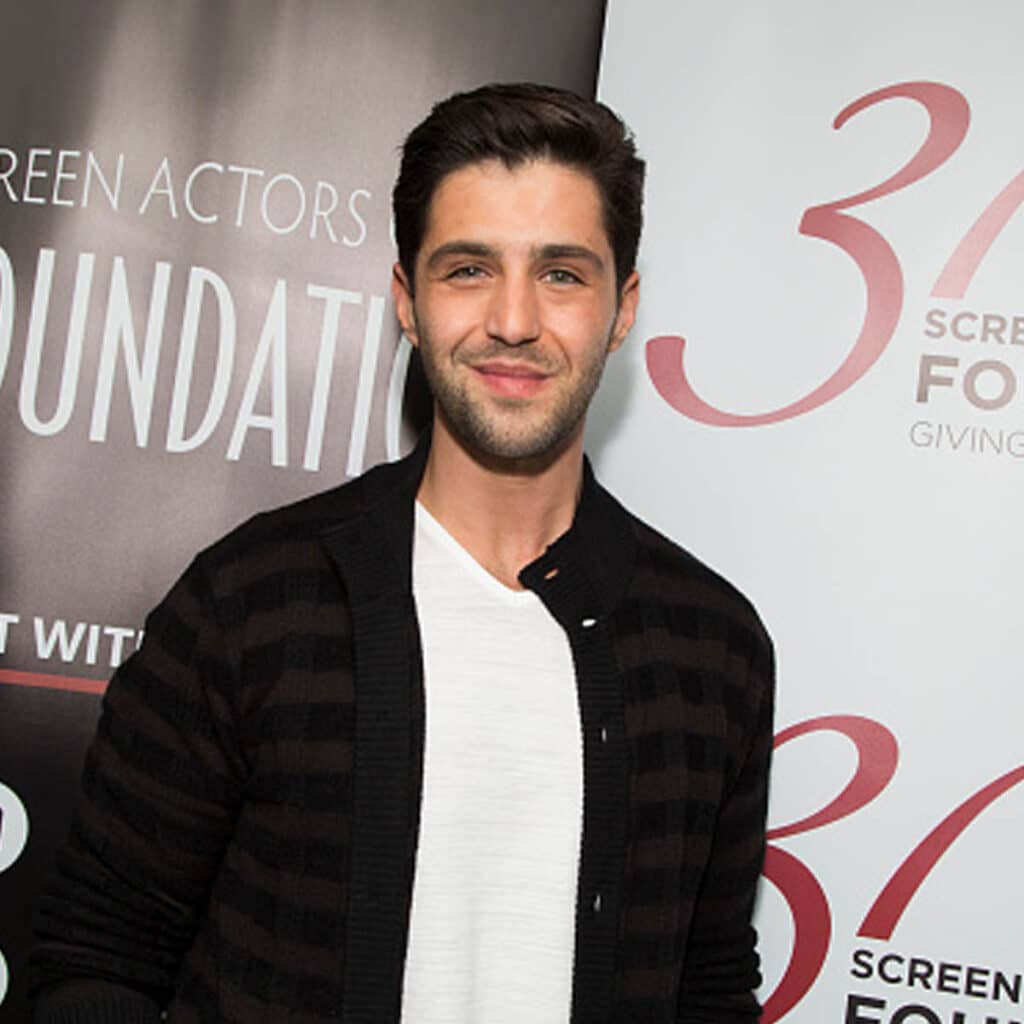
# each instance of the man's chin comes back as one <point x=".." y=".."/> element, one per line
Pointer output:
<point x="511" y="451"/>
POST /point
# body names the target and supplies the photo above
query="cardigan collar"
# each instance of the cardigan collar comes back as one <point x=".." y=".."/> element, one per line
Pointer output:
<point x="375" y="536"/>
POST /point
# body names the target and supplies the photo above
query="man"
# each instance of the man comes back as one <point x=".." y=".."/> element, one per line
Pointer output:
<point x="463" y="740"/>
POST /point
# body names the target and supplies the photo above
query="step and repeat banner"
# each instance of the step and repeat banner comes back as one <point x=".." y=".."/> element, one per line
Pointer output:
<point x="824" y="398"/>
<point x="195" y="254"/>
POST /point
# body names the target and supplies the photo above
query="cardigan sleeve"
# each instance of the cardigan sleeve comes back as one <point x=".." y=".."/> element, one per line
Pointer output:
<point x="721" y="965"/>
<point x="160" y="791"/>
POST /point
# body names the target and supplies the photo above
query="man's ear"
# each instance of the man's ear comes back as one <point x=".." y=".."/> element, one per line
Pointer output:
<point x="401" y="292"/>
<point x="625" y="317"/>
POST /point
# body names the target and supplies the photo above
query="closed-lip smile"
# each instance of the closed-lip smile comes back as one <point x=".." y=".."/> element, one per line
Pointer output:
<point x="518" y="368"/>
<point x="514" y="379"/>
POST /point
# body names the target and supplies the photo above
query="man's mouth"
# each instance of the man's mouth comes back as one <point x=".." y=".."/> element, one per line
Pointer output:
<point x="515" y="379"/>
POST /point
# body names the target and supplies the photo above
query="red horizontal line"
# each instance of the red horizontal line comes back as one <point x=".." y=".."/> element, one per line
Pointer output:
<point x="44" y="681"/>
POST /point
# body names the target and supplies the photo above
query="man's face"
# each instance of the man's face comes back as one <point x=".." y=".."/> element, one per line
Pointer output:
<point x="515" y="306"/>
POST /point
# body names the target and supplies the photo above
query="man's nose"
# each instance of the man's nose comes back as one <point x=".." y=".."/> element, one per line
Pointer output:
<point x="513" y="315"/>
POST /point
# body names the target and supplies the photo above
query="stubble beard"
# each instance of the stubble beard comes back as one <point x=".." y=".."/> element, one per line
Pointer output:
<point x="510" y="430"/>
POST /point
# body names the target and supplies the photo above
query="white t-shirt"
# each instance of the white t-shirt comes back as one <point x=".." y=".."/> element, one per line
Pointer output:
<point x="491" y="933"/>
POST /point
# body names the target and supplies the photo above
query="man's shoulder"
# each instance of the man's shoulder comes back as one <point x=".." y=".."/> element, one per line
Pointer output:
<point x="669" y="571"/>
<point x="283" y="533"/>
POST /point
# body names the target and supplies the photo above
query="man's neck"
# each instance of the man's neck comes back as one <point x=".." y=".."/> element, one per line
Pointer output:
<point x="504" y="515"/>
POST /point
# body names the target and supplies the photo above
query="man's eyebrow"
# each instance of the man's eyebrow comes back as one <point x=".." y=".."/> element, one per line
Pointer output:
<point x="557" y="251"/>
<point x="460" y="247"/>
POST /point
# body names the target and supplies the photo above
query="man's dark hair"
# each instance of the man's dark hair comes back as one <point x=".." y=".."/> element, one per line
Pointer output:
<point x="515" y="123"/>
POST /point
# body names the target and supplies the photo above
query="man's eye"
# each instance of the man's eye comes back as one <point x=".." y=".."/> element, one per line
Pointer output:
<point x="561" y="276"/>
<point x="469" y="272"/>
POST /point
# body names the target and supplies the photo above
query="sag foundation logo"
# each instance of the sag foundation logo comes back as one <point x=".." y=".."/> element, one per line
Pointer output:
<point x="888" y="985"/>
<point x="973" y="360"/>
<point x="229" y="324"/>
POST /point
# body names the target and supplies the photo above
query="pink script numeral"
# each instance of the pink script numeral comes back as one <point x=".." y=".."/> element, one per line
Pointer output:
<point x="877" y="757"/>
<point x="949" y="116"/>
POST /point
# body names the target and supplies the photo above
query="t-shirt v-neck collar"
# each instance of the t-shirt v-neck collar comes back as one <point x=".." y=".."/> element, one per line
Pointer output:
<point x="428" y="523"/>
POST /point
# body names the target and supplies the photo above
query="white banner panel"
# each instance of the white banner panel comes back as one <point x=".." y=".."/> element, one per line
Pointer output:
<point x="824" y="399"/>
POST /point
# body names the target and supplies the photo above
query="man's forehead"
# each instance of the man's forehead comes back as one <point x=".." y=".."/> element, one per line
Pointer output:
<point x="542" y="201"/>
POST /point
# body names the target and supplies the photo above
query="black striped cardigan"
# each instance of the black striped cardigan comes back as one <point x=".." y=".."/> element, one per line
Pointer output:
<point x="244" y="845"/>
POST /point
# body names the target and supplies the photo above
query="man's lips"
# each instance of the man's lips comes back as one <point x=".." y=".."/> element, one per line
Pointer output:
<point x="512" y="380"/>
